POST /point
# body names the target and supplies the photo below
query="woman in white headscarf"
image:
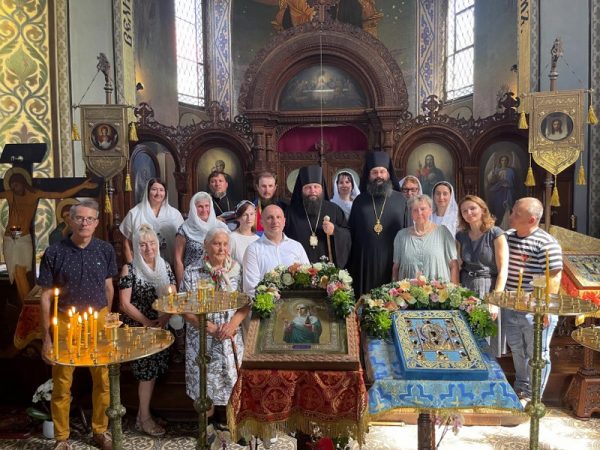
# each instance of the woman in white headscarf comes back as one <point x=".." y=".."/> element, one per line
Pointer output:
<point x="189" y="243"/>
<point x="445" y="208"/>
<point x="345" y="190"/>
<point x="142" y="281"/>
<point x="155" y="211"/>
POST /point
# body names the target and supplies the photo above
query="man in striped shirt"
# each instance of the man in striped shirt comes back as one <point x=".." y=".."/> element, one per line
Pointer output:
<point x="528" y="245"/>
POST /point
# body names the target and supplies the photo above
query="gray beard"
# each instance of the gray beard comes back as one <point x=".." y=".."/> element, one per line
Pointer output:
<point x="312" y="207"/>
<point x="219" y="195"/>
<point x="379" y="190"/>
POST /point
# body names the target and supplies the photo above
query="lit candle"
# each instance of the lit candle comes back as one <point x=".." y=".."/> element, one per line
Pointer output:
<point x="171" y="297"/>
<point x="56" y="291"/>
<point x="70" y="314"/>
<point x="95" y="321"/>
<point x="78" y="335"/>
<point x="547" y="278"/>
<point x="55" y="337"/>
<point x="69" y="337"/>
<point x="85" y="330"/>
<point x="520" y="281"/>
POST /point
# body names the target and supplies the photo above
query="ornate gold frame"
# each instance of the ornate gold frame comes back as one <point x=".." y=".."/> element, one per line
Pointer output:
<point x="573" y="261"/>
<point x="556" y="152"/>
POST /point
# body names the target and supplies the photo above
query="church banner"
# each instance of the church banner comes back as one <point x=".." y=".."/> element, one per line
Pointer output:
<point x="556" y="128"/>
<point x="105" y="138"/>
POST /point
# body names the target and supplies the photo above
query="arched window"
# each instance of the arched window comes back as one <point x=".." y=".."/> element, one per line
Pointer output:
<point x="190" y="52"/>
<point x="459" y="48"/>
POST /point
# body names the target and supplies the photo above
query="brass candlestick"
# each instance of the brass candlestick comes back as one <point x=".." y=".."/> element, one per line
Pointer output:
<point x="115" y="346"/>
<point x="538" y="304"/>
<point x="200" y="302"/>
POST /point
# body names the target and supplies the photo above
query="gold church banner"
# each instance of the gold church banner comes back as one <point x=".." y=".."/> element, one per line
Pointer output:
<point x="124" y="54"/>
<point x="524" y="46"/>
<point x="556" y="128"/>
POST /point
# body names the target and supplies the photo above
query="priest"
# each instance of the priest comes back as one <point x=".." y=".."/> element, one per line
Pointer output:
<point x="377" y="215"/>
<point x="318" y="224"/>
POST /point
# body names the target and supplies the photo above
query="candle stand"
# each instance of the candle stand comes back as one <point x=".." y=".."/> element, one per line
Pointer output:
<point x="201" y="302"/>
<point x="115" y="346"/>
<point x="538" y="303"/>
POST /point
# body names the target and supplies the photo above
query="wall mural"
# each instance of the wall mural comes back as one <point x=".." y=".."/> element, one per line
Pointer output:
<point x="431" y="163"/>
<point x="502" y="171"/>
<point x="335" y="87"/>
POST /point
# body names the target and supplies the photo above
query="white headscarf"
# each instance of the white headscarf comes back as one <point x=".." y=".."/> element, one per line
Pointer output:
<point x="194" y="226"/>
<point x="346" y="205"/>
<point x="159" y="277"/>
<point x="166" y="223"/>
<point x="450" y="218"/>
<point x="413" y="179"/>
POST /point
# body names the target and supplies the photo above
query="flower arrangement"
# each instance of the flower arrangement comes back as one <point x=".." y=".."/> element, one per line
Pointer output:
<point x="42" y="396"/>
<point x="337" y="283"/>
<point x="420" y="293"/>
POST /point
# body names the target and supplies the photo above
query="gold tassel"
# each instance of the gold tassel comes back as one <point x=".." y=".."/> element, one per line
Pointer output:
<point x="133" y="137"/>
<point x="530" y="179"/>
<point x="107" y="203"/>
<point x="581" y="175"/>
<point x="555" y="200"/>
<point x="523" y="121"/>
<point x="75" y="133"/>
<point x="592" y="118"/>
<point x="128" y="183"/>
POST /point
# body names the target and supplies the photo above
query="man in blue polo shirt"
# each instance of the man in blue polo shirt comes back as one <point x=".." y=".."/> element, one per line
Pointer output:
<point x="82" y="267"/>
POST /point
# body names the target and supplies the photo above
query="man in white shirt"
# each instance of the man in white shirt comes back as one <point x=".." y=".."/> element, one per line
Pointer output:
<point x="272" y="249"/>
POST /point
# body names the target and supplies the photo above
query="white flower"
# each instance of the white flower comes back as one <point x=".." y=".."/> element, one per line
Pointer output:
<point x="318" y="266"/>
<point x="344" y="277"/>
<point x="287" y="279"/>
<point x="43" y="392"/>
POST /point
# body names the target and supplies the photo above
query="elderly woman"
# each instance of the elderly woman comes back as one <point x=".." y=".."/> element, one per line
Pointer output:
<point x="224" y="338"/>
<point x="244" y="234"/>
<point x="345" y="190"/>
<point x="142" y="281"/>
<point x="155" y="211"/>
<point x="425" y="248"/>
<point x="189" y="243"/>
<point x="445" y="208"/>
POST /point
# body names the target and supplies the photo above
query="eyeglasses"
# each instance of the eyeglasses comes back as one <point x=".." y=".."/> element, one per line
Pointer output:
<point x="407" y="190"/>
<point x="80" y="219"/>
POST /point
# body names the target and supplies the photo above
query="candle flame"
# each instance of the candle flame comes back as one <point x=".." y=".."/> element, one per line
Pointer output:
<point x="96" y="315"/>
<point x="70" y="313"/>
<point x="90" y="310"/>
<point x="85" y="316"/>
<point x="79" y="319"/>
<point x="56" y="292"/>
<point x="55" y="321"/>
<point x="170" y="290"/>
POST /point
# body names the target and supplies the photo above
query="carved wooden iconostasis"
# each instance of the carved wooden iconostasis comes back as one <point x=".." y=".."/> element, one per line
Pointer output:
<point x="344" y="69"/>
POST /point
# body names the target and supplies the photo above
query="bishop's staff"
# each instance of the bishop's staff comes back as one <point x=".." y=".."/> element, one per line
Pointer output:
<point x="328" y="219"/>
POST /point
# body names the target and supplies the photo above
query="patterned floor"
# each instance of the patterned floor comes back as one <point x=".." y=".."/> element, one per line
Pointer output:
<point x="558" y="430"/>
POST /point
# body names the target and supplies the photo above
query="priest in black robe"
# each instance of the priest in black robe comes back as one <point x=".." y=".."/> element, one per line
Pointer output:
<point x="377" y="215"/>
<point x="312" y="219"/>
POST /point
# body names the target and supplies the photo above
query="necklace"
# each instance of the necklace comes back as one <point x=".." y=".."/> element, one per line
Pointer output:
<point x="313" y="241"/>
<point x="378" y="228"/>
<point x="420" y="233"/>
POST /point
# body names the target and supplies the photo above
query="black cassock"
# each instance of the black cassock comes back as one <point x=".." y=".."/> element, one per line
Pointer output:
<point x="372" y="254"/>
<point x="297" y="228"/>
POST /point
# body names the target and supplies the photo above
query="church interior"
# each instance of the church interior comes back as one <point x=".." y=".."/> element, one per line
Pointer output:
<point x="464" y="91"/>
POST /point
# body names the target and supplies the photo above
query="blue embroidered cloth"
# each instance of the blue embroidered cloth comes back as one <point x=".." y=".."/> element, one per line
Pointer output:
<point x="389" y="391"/>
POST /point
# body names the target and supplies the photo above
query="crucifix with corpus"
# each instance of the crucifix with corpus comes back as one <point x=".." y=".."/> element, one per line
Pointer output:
<point x="23" y="193"/>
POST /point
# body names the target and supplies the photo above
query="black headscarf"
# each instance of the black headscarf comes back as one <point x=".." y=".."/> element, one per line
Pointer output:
<point x="308" y="175"/>
<point x="378" y="159"/>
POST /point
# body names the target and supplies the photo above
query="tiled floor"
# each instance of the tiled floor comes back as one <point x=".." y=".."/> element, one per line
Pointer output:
<point x="558" y="430"/>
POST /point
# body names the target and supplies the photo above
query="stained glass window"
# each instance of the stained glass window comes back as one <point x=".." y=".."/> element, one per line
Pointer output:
<point x="190" y="51"/>
<point x="459" y="48"/>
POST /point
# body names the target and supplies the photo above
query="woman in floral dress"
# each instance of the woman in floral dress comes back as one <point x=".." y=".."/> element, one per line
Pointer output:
<point x="142" y="281"/>
<point x="223" y="328"/>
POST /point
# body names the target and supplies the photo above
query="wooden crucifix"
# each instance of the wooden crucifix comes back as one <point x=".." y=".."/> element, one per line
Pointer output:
<point x="23" y="193"/>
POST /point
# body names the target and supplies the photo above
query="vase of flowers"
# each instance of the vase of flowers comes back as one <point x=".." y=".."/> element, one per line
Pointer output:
<point x="421" y="293"/>
<point x="337" y="283"/>
<point x="41" y="409"/>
